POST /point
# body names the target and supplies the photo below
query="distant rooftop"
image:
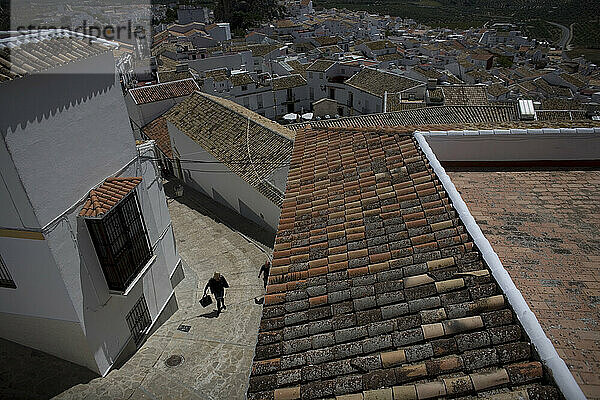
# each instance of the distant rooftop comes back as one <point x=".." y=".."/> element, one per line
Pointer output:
<point x="288" y="82"/>
<point x="163" y="91"/>
<point x="378" y="82"/>
<point x="423" y="116"/>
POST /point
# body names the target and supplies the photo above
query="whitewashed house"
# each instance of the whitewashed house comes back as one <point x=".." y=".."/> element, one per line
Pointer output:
<point x="252" y="93"/>
<point x="231" y="154"/>
<point x="88" y="259"/>
<point x="370" y="88"/>
<point x="377" y="48"/>
<point x="290" y="95"/>
<point x="146" y="103"/>
<point x="219" y="31"/>
<point x="317" y="76"/>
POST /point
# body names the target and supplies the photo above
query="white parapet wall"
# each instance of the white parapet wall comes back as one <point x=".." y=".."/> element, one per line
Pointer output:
<point x="563" y="377"/>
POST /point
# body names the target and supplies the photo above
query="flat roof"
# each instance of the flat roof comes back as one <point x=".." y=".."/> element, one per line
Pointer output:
<point x="544" y="226"/>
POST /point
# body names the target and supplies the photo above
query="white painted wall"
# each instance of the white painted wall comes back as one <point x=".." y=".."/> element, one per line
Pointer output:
<point x="515" y="147"/>
<point x="221" y="184"/>
<point x="65" y="132"/>
<point x="65" y="121"/>
<point x="16" y="211"/>
<point x="142" y="114"/>
<point x="100" y="313"/>
<point x="231" y="61"/>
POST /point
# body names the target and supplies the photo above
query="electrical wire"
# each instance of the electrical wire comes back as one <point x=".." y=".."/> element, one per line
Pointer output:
<point x="244" y="162"/>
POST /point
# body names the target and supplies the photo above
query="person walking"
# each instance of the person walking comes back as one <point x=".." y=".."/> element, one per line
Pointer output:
<point x="217" y="285"/>
<point x="265" y="269"/>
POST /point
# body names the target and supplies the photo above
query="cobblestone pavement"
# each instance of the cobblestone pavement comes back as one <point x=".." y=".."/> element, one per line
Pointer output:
<point x="217" y="351"/>
<point x="545" y="227"/>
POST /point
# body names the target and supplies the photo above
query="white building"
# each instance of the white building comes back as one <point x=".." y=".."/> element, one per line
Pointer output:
<point x="71" y="170"/>
<point x="290" y="95"/>
<point x="187" y="14"/>
<point x="231" y="154"/>
<point x="146" y="103"/>
<point x="219" y="31"/>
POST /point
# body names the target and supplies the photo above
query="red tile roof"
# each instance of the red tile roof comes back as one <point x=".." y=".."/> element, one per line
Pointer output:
<point x="157" y="130"/>
<point x="376" y="287"/>
<point x="163" y="91"/>
<point x="105" y="196"/>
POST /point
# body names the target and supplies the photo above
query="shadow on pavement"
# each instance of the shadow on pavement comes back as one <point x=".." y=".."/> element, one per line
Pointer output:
<point x="26" y="373"/>
<point x="212" y="314"/>
<point x="218" y="212"/>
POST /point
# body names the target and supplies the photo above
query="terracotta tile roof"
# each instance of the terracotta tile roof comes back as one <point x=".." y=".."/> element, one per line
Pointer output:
<point x="327" y="40"/>
<point x="390" y="57"/>
<point x="241" y="79"/>
<point x="574" y="79"/>
<point x="298" y="67"/>
<point x="394" y="103"/>
<point x="423" y="116"/>
<point x="105" y="196"/>
<point x="288" y="82"/>
<point x="544" y="227"/>
<point x="320" y="65"/>
<point x="173" y="75"/>
<point x="380" y="45"/>
<point x="163" y="91"/>
<point x="334" y="48"/>
<point x="465" y="95"/>
<point x="561" y="104"/>
<point x="158" y="131"/>
<point x="377" y="288"/>
<point x="258" y="50"/>
<point x="378" y="82"/>
<point x="20" y="58"/>
<point x="218" y="74"/>
<point x="220" y="126"/>
<point x="497" y="89"/>
<point x="428" y="72"/>
<point x="565" y="115"/>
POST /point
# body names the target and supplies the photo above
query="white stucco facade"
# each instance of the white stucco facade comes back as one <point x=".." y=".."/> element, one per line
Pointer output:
<point x="216" y="181"/>
<point x="65" y="131"/>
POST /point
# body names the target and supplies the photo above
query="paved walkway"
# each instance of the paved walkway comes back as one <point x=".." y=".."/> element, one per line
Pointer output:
<point x="217" y="351"/>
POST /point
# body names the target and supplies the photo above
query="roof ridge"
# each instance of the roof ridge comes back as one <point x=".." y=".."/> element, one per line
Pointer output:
<point x="211" y="97"/>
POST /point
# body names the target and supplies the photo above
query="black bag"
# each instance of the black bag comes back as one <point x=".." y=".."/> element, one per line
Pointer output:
<point x="206" y="301"/>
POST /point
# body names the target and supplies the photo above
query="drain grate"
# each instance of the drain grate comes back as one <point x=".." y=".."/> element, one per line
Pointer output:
<point x="174" y="361"/>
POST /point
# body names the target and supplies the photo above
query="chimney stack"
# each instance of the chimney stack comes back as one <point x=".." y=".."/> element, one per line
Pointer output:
<point x="431" y="83"/>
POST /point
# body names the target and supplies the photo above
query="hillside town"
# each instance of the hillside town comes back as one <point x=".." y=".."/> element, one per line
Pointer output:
<point x="337" y="63"/>
<point x="387" y="210"/>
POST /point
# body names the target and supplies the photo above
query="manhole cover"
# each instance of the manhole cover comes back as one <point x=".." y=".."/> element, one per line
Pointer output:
<point x="173" y="361"/>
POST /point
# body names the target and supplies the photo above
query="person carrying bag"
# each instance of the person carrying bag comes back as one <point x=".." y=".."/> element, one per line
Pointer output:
<point x="217" y="285"/>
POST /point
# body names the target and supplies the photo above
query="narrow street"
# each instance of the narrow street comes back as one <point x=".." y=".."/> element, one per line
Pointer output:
<point x="217" y="351"/>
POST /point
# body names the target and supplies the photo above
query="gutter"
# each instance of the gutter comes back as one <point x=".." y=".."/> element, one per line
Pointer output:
<point x="548" y="355"/>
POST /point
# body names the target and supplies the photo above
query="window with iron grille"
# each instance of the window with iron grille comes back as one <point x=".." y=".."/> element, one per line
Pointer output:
<point x="138" y="320"/>
<point x="5" y="278"/>
<point x="121" y="242"/>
